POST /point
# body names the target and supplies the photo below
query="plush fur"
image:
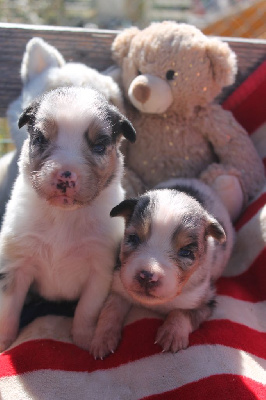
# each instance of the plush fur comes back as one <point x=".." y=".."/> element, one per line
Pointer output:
<point x="177" y="243"/>
<point x="170" y="74"/>
<point x="57" y="237"/>
<point x="43" y="68"/>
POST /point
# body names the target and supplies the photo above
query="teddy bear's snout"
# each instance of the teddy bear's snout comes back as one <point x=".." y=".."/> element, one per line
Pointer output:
<point x="141" y="92"/>
<point x="150" y="94"/>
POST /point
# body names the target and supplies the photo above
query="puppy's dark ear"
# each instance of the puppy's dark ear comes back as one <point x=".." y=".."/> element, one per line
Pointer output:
<point x="124" y="209"/>
<point x="121" y="125"/>
<point x="215" y="229"/>
<point x="128" y="130"/>
<point x="28" y="114"/>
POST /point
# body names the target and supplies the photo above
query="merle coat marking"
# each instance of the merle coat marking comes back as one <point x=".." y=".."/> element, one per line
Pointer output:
<point x="177" y="241"/>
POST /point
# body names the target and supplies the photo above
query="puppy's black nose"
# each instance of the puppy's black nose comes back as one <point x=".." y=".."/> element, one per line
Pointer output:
<point x="147" y="279"/>
<point x="66" y="181"/>
<point x="66" y="174"/>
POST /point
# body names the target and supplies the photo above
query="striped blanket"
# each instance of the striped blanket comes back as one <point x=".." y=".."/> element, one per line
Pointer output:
<point x="226" y="358"/>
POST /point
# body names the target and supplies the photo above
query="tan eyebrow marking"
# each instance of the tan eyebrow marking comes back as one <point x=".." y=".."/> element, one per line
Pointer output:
<point x="97" y="128"/>
<point x="48" y="127"/>
<point x="184" y="236"/>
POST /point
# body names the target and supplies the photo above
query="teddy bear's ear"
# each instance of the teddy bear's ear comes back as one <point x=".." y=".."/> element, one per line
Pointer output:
<point x="121" y="44"/>
<point x="38" y="56"/>
<point x="222" y="60"/>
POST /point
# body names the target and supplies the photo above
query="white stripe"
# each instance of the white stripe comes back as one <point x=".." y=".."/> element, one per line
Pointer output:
<point x="246" y="313"/>
<point x="250" y="241"/>
<point x="151" y="375"/>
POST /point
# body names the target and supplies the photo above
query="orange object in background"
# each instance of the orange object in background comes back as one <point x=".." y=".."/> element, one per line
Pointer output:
<point x="248" y="22"/>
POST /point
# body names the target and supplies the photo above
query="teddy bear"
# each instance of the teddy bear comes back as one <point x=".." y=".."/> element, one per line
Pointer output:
<point x="170" y="74"/>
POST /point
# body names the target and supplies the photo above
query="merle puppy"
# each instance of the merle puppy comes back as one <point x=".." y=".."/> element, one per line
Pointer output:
<point x="176" y="244"/>
<point x="57" y="236"/>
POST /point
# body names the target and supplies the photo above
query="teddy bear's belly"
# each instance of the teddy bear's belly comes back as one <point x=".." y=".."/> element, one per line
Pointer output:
<point x="174" y="154"/>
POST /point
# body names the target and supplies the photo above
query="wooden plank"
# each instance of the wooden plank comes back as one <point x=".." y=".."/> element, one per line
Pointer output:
<point x="91" y="47"/>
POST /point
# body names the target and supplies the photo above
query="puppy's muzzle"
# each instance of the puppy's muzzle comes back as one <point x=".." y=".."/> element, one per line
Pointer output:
<point x="66" y="181"/>
<point x="148" y="280"/>
<point x="64" y="187"/>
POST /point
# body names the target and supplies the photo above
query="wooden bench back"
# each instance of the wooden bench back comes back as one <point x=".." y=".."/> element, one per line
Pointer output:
<point x="91" y="47"/>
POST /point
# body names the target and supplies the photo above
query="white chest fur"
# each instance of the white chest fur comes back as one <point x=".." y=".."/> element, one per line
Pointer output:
<point x="60" y="249"/>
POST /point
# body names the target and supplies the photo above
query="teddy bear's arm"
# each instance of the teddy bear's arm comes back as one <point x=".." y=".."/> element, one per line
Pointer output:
<point x="235" y="152"/>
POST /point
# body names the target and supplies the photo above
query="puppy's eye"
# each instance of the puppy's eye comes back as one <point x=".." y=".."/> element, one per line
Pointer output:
<point x="39" y="139"/>
<point x="133" y="240"/>
<point x="99" y="148"/>
<point x="185" y="252"/>
<point x="170" y="75"/>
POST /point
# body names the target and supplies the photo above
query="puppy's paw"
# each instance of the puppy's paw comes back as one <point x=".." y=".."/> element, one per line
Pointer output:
<point x="170" y="338"/>
<point x="83" y="338"/>
<point x="104" y="343"/>
<point x="173" y="335"/>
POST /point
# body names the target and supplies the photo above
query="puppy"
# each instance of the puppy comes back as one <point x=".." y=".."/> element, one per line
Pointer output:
<point x="176" y="244"/>
<point x="43" y="68"/>
<point x="57" y="236"/>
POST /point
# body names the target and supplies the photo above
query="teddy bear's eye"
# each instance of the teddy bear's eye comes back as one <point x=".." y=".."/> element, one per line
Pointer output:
<point x="170" y="75"/>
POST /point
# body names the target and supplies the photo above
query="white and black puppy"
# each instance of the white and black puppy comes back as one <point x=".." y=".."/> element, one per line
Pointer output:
<point x="57" y="236"/>
<point x="177" y="242"/>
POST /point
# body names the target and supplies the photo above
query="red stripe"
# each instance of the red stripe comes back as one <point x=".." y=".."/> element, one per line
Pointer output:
<point x="251" y="112"/>
<point x="137" y="342"/>
<point x="249" y="286"/>
<point x="247" y="102"/>
<point x="250" y="211"/>
<point x="51" y="354"/>
<point x="218" y="387"/>
<point x="230" y="334"/>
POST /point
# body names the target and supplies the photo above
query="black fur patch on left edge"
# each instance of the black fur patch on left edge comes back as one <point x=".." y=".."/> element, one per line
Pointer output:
<point x="42" y="307"/>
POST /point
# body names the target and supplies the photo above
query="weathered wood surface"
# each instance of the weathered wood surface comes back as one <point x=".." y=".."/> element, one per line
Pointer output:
<point x="91" y="47"/>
